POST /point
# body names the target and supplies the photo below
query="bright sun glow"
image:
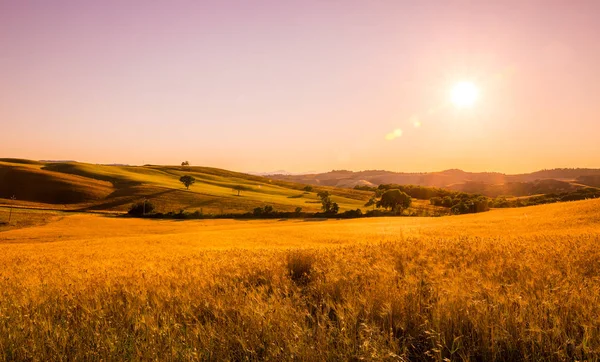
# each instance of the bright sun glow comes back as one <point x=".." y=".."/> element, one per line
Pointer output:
<point x="464" y="94"/>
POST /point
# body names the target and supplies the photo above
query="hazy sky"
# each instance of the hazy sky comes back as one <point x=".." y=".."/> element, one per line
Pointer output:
<point x="302" y="85"/>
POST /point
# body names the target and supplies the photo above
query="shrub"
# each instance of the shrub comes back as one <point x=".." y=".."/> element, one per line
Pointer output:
<point x="300" y="265"/>
<point x="375" y="213"/>
<point x="351" y="214"/>
<point x="138" y="209"/>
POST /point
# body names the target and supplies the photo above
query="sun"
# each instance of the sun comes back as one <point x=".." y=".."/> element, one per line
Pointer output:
<point x="464" y="94"/>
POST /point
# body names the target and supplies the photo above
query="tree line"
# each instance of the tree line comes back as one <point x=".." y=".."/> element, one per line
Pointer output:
<point x="457" y="202"/>
<point x="465" y="203"/>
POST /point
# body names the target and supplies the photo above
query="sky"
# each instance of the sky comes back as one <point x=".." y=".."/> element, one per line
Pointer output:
<point x="302" y="86"/>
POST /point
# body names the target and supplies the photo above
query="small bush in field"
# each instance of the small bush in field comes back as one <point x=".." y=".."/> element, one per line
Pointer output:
<point x="300" y="265"/>
<point x="139" y="209"/>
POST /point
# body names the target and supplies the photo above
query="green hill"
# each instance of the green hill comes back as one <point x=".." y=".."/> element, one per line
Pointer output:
<point x="82" y="186"/>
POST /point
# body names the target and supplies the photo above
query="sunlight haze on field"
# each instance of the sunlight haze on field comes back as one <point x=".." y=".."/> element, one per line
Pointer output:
<point x="302" y="85"/>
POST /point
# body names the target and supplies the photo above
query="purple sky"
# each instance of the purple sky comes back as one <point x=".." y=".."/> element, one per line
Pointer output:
<point x="302" y="85"/>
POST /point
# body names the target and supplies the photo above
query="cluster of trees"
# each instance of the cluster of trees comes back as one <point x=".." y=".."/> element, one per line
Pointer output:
<point x="465" y="203"/>
<point x="268" y="212"/>
<point x="457" y="202"/>
<point x="414" y="191"/>
<point x="146" y="209"/>
<point x="580" y="194"/>
<point x="462" y="203"/>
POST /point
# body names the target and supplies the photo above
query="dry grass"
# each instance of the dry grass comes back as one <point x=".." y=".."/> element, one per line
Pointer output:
<point x="519" y="284"/>
<point x="20" y="218"/>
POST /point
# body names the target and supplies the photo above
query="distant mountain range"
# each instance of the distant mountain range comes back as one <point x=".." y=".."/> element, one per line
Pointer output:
<point x="487" y="183"/>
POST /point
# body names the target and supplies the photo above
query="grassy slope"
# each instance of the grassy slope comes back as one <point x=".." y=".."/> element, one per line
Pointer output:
<point x="30" y="182"/>
<point x="515" y="284"/>
<point x="98" y="187"/>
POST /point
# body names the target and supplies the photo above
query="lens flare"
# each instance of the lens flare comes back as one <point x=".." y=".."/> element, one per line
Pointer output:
<point x="464" y="94"/>
<point x="393" y="135"/>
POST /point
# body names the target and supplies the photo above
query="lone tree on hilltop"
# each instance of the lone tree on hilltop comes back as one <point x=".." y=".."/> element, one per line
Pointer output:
<point x="395" y="200"/>
<point x="187" y="180"/>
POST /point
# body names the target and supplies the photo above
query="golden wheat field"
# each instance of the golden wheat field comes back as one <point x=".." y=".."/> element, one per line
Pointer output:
<point x="506" y="285"/>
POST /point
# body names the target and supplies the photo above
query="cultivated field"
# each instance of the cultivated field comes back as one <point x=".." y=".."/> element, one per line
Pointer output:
<point x="509" y="284"/>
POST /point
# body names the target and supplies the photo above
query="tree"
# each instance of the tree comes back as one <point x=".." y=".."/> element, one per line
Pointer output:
<point x="447" y="201"/>
<point x="323" y="194"/>
<point x="308" y="188"/>
<point x="372" y="201"/>
<point x="395" y="200"/>
<point x="240" y="188"/>
<point x="187" y="180"/>
<point x="325" y="200"/>
<point x="328" y="206"/>
<point x="334" y="208"/>
<point x="185" y="163"/>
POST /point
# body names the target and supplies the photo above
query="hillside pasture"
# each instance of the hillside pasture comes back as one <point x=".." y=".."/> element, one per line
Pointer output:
<point x="82" y="187"/>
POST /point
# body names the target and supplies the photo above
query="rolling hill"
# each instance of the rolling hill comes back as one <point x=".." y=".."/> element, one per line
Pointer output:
<point x="487" y="183"/>
<point x="85" y="187"/>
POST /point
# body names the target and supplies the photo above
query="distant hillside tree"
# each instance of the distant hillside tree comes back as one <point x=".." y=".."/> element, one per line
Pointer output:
<point x="187" y="180"/>
<point x="308" y="188"/>
<point x="327" y="205"/>
<point x="395" y="200"/>
<point x="185" y="163"/>
<point x="240" y="188"/>
<point x="323" y="194"/>
<point x="334" y="208"/>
